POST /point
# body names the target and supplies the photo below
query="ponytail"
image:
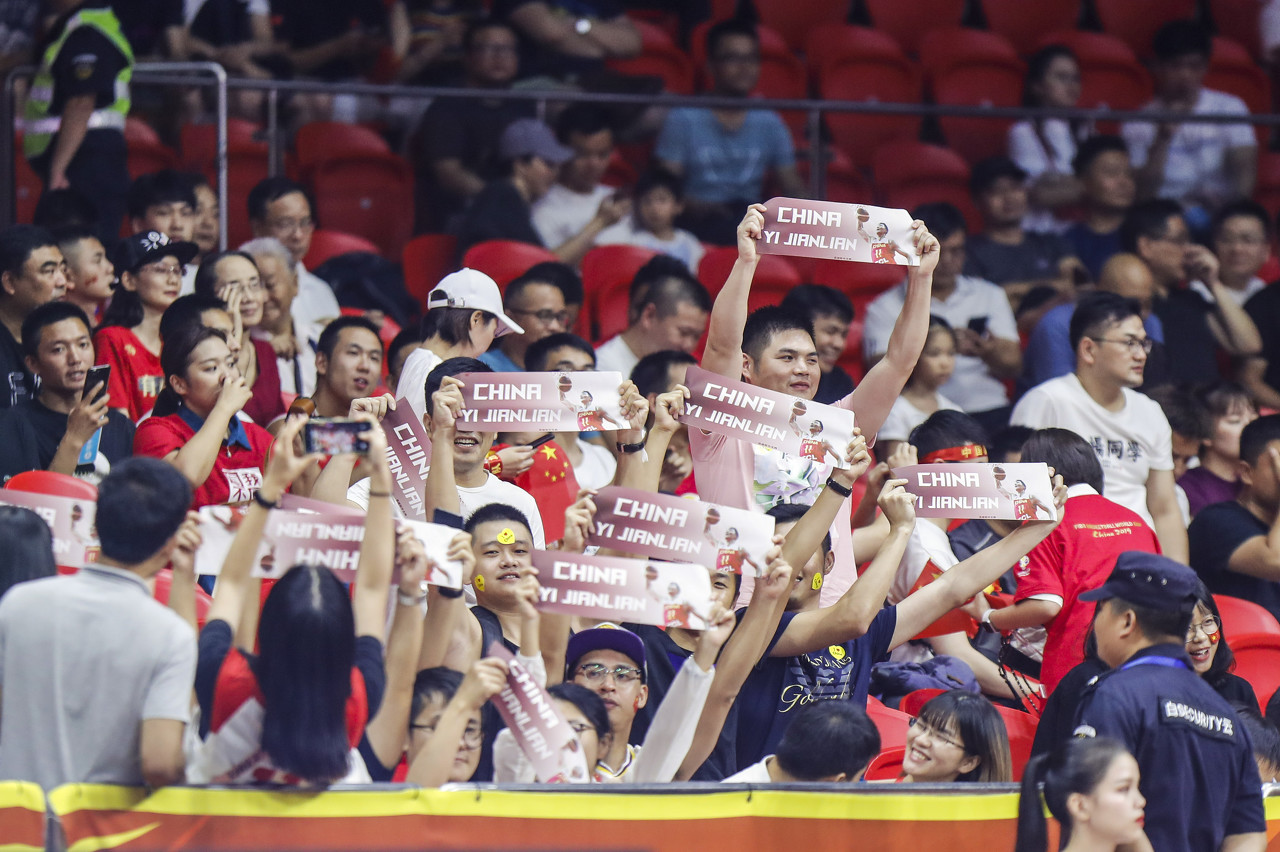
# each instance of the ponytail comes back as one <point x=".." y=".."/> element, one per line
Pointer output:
<point x="1075" y="766"/>
<point x="1033" y="830"/>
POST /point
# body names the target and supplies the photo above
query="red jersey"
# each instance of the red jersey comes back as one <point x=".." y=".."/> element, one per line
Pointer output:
<point x="590" y="421"/>
<point x="236" y="473"/>
<point x="675" y="615"/>
<point x="811" y="449"/>
<point x="1024" y="509"/>
<point x="729" y="560"/>
<point x="882" y="251"/>
<point x="1078" y="555"/>
<point x="136" y="375"/>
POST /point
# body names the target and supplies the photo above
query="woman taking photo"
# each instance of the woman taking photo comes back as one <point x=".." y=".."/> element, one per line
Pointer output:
<point x="196" y="425"/>
<point x="958" y="736"/>
<point x="1091" y="788"/>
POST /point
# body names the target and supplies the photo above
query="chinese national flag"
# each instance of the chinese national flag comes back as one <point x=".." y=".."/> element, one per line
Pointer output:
<point x="955" y="621"/>
<point x="552" y="485"/>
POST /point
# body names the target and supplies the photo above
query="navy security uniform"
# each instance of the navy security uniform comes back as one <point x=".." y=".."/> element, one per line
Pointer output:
<point x="1198" y="771"/>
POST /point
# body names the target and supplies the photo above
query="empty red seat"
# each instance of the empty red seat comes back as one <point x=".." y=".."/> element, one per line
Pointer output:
<point x="1022" y="26"/>
<point x="909" y="21"/>
<point x="773" y="271"/>
<point x="1233" y="70"/>
<point x="53" y="484"/>
<point x="1240" y="616"/>
<point x="795" y="21"/>
<point x="326" y="244"/>
<point x="829" y="46"/>
<point x="879" y="78"/>
<point x="887" y="765"/>
<point x="27" y="185"/>
<point x="505" y="260"/>
<point x="1110" y="73"/>
<point x="426" y="259"/>
<point x="1022" y="733"/>
<point x="200" y="142"/>
<point x="1238" y="21"/>
<point x="659" y="57"/>
<point x="913" y="701"/>
<point x="892" y="724"/>
<point x="606" y="279"/>
<point x="969" y="67"/>
<point x="325" y="140"/>
<point x="908" y="174"/>
<point x="1267" y="190"/>
<point x="1136" y="21"/>
<point x="146" y="152"/>
<point x="370" y="195"/>
<point x="1258" y="661"/>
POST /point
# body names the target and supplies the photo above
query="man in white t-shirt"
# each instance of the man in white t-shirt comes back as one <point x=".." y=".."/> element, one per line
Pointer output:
<point x="987" y="348"/>
<point x="281" y="208"/>
<point x="669" y="313"/>
<point x="578" y="207"/>
<point x="1201" y="165"/>
<point x="1126" y="429"/>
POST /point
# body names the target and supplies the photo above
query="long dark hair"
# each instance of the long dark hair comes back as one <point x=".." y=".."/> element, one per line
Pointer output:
<point x="307" y="646"/>
<point x="26" y="547"/>
<point x="1075" y="766"/>
<point x="125" y="308"/>
<point x="1223" y="660"/>
<point x="206" y="280"/>
<point x="1037" y="67"/>
<point x="982" y="732"/>
<point x="175" y="357"/>
<point x="591" y="705"/>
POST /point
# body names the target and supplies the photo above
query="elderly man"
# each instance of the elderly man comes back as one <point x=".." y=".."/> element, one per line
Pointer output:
<point x="294" y="341"/>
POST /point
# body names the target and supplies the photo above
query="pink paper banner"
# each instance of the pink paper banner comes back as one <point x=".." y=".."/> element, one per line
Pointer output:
<point x="666" y="594"/>
<point x="409" y="456"/>
<point x="1012" y="492"/>
<point x="677" y="528"/>
<point x="70" y="520"/>
<point x="835" y="231"/>
<point x="542" y="402"/>
<point x="537" y="725"/>
<point x="745" y="412"/>
<point x="331" y="539"/>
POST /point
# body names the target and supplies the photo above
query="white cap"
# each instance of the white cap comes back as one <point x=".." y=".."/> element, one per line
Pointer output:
<point x="471" y="288"/>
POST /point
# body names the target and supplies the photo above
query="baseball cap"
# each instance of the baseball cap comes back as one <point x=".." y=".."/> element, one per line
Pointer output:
<point x="988" y="171"/>
<point x="1148" y="580"/>
<point x="605" y="636"/>
<point x="137" y="250"/>
<point x="471" y="288"/>
<point x="528" y="137"/>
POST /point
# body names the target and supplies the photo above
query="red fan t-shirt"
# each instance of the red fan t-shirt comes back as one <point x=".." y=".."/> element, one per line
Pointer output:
<point x="136" y="375"/>
<point x="237" y="472"/>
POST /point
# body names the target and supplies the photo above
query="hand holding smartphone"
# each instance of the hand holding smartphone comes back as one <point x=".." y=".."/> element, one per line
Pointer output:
<point x="335" y="436"/>
<point x="95" y="376"/>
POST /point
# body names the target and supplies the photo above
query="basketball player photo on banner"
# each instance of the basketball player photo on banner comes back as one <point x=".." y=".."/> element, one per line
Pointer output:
<point x="746" y="412"/>
<point x="545" y="402"/>
<point x="331" y="539"/>
<point x="834" y="230"/>
<point x="70" y="521"/>
<point x="664" y="594"/>
<point x="1010" y="492"/>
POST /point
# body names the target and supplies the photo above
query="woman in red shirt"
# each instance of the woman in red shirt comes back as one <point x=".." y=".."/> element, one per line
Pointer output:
<point x="232" y="276"/>
<point x="196" y="425"/>
<point x="150" y="268"/>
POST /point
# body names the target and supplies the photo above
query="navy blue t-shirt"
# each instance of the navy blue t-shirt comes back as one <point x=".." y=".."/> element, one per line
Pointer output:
<point x="778" y="685"/>
<point x="1214" y="535"/>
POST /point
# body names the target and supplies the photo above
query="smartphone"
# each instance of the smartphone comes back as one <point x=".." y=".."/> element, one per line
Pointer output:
<point x="540" y="440"/>
<point x="334" y="437"/>
<point x="95" y="375"/>
<point x="978" y="325"/>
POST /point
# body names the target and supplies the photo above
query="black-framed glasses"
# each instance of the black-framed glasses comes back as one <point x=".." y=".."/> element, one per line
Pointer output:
<point x="597" y="672"/>
<point x="471" y="736"/>
<point x="1134" y="343"/>
<point x="545" y="315"/>
<point x="933" y="733"/>
<point x="1209" y="627"/>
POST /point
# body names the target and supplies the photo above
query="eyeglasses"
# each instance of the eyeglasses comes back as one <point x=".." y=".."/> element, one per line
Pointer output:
<point x="1134" y="343"/>
<point x="743" y="58"/>
<point x="545" y="316"/>
<point x="581" y="728"/>
<point x="471" y="737"/>
<point x="1209" y="627"/>
<point x="933" y="733"/>
<point x="287" y="225"/>
<point x="172" y="271"/>
<point x="596" y="673"/>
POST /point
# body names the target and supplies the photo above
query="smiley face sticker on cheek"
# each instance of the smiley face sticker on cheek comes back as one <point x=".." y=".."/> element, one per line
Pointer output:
<point x="817" y="582"/>
<point x="478" y="583"/>
<point x="507" y="536"/>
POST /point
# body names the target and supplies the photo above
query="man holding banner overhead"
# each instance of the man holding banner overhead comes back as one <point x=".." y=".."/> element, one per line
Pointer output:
<point x="775" y="349"/>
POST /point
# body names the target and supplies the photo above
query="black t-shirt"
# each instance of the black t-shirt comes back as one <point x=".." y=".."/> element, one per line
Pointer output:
<point x="1214" y="535"/>
<point x="1264" y="310"/>
<point x="1035" y="259"/>
<point x="1193" y="354"/>
<point x="834" y="386"/>
<point x="144" y="22"/>
<point x="1237" y="691"/>
<point x="542" y="59"/>
<point x="499" y="212"/>
<point x="87" y="64"/>
<point x="1058" y="720"/>
<point x="18" y="384"/>
<point x="490" y="719"/>
<point x="306" y="23"/>
<point x="32" y="433"/>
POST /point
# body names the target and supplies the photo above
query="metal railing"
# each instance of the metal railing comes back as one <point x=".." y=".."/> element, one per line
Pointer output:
<point x="211" y="74"/>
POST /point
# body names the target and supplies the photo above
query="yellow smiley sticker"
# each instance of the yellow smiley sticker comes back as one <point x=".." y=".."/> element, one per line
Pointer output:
<point x="817" y="582"/>
<point x="836" y="651"/>
<point x="507" y="536"/>
<point x="478" y="583"/>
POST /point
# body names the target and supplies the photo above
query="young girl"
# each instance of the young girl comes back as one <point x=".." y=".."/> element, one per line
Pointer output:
<point x="920" y="396"/>
<point x="195" y="425"/>
<point x="233" y="277"/>
<point x="1216" y="480"/>
<point x="1091" y="788"/>
<point x="128" y="340"/>
<point x="958" y="736"/>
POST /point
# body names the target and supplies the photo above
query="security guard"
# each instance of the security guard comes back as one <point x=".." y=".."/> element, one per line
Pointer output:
<point x="1198" y="773"/>
<point x="73" y="123"/>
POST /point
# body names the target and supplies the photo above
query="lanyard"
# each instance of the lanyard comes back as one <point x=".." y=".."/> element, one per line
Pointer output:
<point x="1167" y="662"/>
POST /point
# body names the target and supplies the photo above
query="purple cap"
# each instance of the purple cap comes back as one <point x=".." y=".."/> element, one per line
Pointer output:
<point x="605" y="636"/>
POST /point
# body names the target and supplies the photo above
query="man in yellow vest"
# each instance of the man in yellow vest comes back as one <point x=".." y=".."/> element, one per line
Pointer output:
<point x="74" y="118"/>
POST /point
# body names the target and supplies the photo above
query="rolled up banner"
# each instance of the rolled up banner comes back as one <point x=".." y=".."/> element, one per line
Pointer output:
<point x="540" y="730"/>
<point x="409" y="457"/>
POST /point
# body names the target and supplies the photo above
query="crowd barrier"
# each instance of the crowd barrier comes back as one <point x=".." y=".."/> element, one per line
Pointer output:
<point x="743" y="818"/>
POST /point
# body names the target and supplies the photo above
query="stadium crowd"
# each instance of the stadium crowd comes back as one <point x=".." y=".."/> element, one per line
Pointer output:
<point x="1104" y="310"/>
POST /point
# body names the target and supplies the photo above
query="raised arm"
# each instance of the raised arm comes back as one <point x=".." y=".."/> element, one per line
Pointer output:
<point x="431" y="766"/>
<point x="332" y="483"/>
<point x="723" y="354"/>
<point x="377" y="550"/>
<point x="445" y="611"/>
<point x="877" y="392"/>
<point x="644" y="470"/>
<point x="1162" y="503"/>
<point x="442" y="486"/>
<point x="182" y="589"/>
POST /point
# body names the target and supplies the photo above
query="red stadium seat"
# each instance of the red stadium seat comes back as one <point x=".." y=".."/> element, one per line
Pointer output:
<point x="1238" y="21"/>
<point x="27" y="184"/>
<point x="606" y="279"/>
<point x="426" y="259"/>
<point x="844" y="182"/>
<point x="661" y="57"/>
<point x="164" y="582"/>
<point x="325" y="140"/>
<point x="969" y="67"/>
<point x="1241" y="617"/>
<point x="608" y="313"/>
<point x="327" y="244"/>
<point x="1233" y="70"/>
<point x="1136" y="21"/>
<point x="881" y="77"/>
<point x="887" y="765"/>
<point x="247" y="166"/>
<point x="830" y="46"/>
<point x="773" y="271"/>
<point x="200" y="142"/>
<point x="1022" y="26"/>
<point x="1022" y="733"/>
<point x="892" y="724"/>
<point x="369" y="195"/>
<point x="913" y="701"/>
<point x="1258" y="661"/>
<point x="53" y="484"/>
<point x="620" y="172"/>
<point x="1110" y="74"/>
<point x="908" y="22"/>
<point x="1267" y="190"/>
<point x="504" y="260"/>
<point x="909" y="174"/>
<point x="146" y="152"/>
<point x="795" y="21"/>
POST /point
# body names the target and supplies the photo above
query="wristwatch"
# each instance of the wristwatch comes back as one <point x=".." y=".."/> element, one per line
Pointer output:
<point x="582" y="26"/>
<point x="633" y="448"/>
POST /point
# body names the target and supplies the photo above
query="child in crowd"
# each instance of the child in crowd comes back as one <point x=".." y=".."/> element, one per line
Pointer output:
<point x="659" y="197"/>
<point x="1217" y="479"/>
<point x="920" y="397"/>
